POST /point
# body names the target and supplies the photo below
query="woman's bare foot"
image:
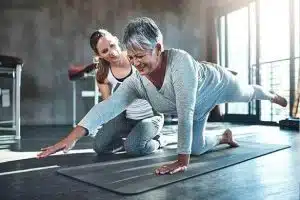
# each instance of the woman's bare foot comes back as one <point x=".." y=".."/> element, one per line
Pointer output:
<point x="227" y="139"/>
<point x="279" y="100"/>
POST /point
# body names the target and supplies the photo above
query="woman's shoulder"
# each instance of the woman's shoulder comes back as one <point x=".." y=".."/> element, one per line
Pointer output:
<point x="177" y="57"/>
<point x="177" y="52"/>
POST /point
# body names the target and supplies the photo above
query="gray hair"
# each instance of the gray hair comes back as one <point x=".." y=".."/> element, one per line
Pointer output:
<point x="141" y="33"/>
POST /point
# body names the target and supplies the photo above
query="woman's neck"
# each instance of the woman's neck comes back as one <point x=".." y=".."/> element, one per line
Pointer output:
<point x="122" y="68"/>
<point x="159" y="66"/>
<point x="158" y="75"/>
<point x="123" y="62"/>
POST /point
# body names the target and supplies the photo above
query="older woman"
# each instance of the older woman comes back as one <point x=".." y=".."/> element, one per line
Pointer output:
<point x="174" y="83"/>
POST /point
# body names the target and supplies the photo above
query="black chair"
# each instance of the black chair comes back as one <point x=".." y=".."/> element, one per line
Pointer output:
<point x="81" y="72"/>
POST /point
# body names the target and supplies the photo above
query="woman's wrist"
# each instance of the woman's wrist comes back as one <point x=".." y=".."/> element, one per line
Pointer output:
<point x="77" y="133"/>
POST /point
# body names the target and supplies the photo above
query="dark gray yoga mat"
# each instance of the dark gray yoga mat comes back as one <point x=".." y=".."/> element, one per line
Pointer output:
<point x="136" y="175"/>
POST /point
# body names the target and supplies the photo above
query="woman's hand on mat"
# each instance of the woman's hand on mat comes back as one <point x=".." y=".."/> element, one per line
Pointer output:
<point x="64" y="145"/>
<point x="178" y="166"/>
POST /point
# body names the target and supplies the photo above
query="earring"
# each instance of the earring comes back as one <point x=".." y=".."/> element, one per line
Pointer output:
<point x="96" y="59"/>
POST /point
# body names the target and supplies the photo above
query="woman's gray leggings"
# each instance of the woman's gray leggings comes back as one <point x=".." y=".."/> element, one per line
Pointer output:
<point x="139" y="134"/>
<point x="233" y="92"/>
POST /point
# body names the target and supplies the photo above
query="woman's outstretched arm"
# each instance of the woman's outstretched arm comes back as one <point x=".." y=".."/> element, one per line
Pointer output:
<point x="98" y="115"/>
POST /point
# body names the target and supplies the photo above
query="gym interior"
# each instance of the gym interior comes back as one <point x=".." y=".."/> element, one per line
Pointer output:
<point x="48" y="84"/>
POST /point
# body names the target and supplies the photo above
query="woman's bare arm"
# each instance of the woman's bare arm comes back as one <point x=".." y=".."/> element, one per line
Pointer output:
<point x="104" y="89"/>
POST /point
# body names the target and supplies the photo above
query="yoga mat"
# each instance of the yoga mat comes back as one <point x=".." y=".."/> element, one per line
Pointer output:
<point x="136" y="175"/>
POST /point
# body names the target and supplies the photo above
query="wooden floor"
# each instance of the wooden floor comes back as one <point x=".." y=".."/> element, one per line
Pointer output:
<point x="273" y="176"/>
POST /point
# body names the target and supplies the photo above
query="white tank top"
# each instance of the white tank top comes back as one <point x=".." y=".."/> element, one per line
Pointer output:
<point x="140" y="108"/>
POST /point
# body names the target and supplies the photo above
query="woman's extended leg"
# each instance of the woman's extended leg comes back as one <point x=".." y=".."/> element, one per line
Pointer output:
<point x="241" y="92"/>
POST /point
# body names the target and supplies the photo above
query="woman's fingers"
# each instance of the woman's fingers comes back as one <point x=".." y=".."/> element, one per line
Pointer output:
<point x="170" y="169"/>
<point x="162" y="170"/>
<point x="46" y="148"/>
<point x="179" y="169"/>
<point x="50" y="150"/>
<point x="44" y="154"/>
<point x="64" y="145"/>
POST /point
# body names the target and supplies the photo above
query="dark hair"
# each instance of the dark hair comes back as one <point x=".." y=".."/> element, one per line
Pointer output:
<point x="103" y="65"/>
<point x="94" y="40"/>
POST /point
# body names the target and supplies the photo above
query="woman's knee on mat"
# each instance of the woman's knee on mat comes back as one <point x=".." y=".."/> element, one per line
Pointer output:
<point x="97" y="148"/>
<point x="154" y="123"/>
<point x="205" y="145"/>
<point x="140" y="148"/>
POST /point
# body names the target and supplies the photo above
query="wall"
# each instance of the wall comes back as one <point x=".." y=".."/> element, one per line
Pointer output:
<point x="50" y="35"/>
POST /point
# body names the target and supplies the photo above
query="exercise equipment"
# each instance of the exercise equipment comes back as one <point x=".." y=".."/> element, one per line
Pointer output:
<point x="81" y="72"/>
<point x="136" y="175"/>
<point x="11" y="67"/>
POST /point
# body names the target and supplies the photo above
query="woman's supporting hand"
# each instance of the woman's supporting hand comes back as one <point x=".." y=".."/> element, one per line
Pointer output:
<point x="178" y="166"/>
<point x="65" y="144"/>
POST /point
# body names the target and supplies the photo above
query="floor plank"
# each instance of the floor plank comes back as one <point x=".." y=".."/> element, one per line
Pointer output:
<point x="274" y="176"/>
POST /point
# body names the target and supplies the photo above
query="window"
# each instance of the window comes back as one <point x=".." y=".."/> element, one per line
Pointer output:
<point x="238" y="50"/>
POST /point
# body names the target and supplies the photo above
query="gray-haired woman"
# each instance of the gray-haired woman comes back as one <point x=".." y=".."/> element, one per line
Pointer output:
<point x="175" y="83"/>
